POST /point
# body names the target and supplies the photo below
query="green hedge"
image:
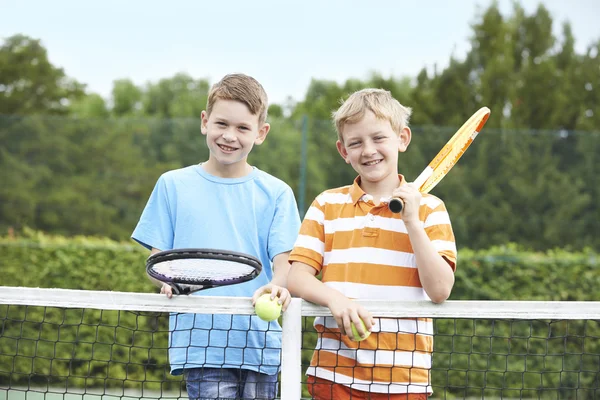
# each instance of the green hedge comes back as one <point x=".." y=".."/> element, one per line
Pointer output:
<point x="88" y="263"/>
<point x="77" y="348"/>
<point x="105" y="348"/>
<point x="510" y="273"/>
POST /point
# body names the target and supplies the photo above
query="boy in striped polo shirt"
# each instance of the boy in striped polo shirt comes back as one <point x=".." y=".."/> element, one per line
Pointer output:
<point x="364" y="251"/>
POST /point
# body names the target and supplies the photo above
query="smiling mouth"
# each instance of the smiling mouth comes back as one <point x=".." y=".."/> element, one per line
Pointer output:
<point x="370" y="163"/>
<point x="226" y="148"/>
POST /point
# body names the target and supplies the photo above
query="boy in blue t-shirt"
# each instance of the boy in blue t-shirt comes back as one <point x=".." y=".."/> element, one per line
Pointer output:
<point x="225" y="203"/>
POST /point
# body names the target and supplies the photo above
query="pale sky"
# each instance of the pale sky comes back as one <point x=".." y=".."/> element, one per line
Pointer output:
<point x="281" y="43"/>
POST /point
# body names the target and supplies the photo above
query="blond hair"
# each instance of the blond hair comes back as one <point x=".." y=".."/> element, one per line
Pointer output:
<point x="380" y="102"/>
<point x="242" y="88"/>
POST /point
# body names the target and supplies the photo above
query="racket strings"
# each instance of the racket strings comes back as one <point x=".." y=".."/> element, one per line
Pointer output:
<point x="194" y="270"/>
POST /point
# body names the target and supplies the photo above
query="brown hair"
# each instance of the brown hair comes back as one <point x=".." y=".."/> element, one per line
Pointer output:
<point x="242" y="88"/>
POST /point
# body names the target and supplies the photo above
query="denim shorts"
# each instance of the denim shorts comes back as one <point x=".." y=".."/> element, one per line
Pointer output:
<point x="229" y="383"/>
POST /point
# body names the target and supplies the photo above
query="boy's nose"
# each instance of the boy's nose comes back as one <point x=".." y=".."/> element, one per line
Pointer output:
<point x="368" y="150"/>
<point x="228" y="136"/>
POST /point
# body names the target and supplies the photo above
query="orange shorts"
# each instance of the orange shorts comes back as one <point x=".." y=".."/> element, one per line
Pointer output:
<point x="322" y="389"/>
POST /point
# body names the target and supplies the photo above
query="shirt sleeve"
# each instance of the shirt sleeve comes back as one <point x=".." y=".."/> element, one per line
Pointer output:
<point x="439" y="230"/>
<point x="155" y="227"/>
<point x="285" y="224"/>
<point x="310" y="245"/>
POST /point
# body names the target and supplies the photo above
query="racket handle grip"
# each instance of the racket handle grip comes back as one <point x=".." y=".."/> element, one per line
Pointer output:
<point x="396" y="205"/>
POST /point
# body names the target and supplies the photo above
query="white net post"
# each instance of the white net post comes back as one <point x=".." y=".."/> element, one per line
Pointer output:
<point x="291" y="368"/>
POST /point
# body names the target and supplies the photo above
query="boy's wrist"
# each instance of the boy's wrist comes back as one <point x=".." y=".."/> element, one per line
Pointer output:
<point x="413" y="224"/>
<point x="279" y="282"/>
<point x="333" y="296"/>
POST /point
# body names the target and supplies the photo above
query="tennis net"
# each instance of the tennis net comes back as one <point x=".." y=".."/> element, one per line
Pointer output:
<point x="82" y="345"/>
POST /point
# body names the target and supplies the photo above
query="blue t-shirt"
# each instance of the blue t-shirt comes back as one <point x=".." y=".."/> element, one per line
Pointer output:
<point x="255" y="214"/>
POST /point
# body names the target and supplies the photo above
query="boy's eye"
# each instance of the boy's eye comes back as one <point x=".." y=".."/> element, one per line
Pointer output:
<point x="353" y="144"/>
<point x="379" y="138"/>
<point x="244" y="128"/>
<point x="221" y="123"/>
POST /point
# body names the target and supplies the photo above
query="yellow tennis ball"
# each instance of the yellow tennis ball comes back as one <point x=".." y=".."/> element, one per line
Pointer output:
<point x="267" y="309"/>
<point x="356" y="335"/>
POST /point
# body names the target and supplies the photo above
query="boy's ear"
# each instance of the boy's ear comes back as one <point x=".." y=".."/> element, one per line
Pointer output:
<point x="342" y="150"/>
<point x="404" y="139"/>
<point x="262" y="133"/>
<point x="203" y="122"/>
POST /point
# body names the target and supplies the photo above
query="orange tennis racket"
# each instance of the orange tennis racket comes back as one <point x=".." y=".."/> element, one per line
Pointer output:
<point x="447" y="157"/>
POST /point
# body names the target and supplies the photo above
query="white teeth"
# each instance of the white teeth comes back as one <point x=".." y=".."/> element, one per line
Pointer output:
<point x="227" y="148"/>
<point x="372" y="162"/>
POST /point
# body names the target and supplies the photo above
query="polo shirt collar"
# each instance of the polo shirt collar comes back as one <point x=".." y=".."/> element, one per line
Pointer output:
<point x="356" y="192"/>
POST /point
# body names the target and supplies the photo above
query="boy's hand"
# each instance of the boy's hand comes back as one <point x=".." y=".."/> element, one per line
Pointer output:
<point x="347" y="312"/>
<point x="275" y="291"/>
<point x="166" y="289"/>
<point x="410" y="195"/>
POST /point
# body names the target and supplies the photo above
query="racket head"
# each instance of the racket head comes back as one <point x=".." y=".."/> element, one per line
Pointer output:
<point x="190" y="270"/>
<point x="454" y="149"/>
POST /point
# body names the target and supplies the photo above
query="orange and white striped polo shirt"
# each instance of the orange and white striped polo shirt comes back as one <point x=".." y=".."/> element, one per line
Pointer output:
<point x="364" y="252"/>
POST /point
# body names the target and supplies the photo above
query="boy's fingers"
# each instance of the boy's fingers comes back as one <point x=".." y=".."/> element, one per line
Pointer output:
<point x="348" y="328"/>
<point x="372" y="323"/>
<point x="259" y="292"/>
<point x="166" y="289"/>
<point x="274" y="291"/>
<point x="367" y="318"/>
<point x="286" y="303"/>
<point x="356" y="320"/>
<point x="340" y="324"/>
<point x="283" y="295"/>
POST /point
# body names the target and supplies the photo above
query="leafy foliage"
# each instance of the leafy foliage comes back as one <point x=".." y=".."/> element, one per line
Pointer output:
<point x="532" y="177"/>
<point x="29" y="83"/>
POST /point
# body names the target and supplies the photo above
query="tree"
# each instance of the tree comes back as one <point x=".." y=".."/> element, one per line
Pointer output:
<point x="179" y="96"/>
<point x="90" y="106"/>
<point x="126" y="98"/>
<point x="30" y="84"/>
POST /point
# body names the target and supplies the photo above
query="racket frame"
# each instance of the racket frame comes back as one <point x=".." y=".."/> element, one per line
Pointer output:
<point x="396" y="205"/>
<point x="187" y="286"/>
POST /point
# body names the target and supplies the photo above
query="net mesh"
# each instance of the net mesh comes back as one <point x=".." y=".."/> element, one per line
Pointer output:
<point x="79" y="345"/>
<point x="49" y="351"/>
<point x="488" y="350"/>
<point x="531" y="359"/>
<point x="57" y="343"/>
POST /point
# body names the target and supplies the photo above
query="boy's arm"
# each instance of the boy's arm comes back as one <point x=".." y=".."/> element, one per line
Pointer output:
<point x="282" y="235"/>
<point x="281" y="269"/>
<point x="303" y="283"/>
<point x="154" y="230"/>
<point x="278" y="285"/>
<point x="164" y="288"/>
<point x="436" y="275"/>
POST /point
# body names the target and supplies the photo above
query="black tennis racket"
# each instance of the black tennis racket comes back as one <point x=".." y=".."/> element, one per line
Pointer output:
<point x="190" y="270"/>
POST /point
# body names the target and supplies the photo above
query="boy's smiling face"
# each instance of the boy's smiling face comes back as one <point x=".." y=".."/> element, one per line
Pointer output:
<point x="371" y="146"/>
<point x="231" y="132"/>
